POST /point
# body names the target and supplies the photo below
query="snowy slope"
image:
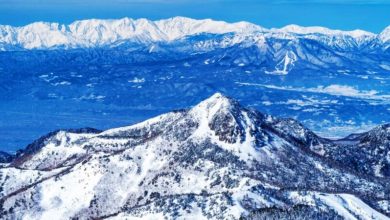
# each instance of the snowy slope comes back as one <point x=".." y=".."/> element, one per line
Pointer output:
<point x="217" y="160"/>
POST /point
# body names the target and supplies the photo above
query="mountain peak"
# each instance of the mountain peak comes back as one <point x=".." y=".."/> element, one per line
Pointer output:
<point x="296" y="29"/>
<point x="180" y="19"/>
<point x="384" y="36"/>
<point x="215" y="103"/>
<point x="183" y="165"/>
<point x="218" y="97"/>
<point x="223" y="117"/>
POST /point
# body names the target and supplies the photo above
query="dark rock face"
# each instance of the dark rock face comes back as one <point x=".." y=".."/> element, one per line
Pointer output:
<point x="6" y="157"/>
<point x="226" y="123"/>
<point x="225" y="127"/>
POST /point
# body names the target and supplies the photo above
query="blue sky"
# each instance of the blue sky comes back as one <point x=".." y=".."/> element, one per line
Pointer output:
<point x="371" y="15"/>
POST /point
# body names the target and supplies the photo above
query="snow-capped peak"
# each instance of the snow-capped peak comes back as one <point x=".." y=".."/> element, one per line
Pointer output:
<point x="296" y="29"/>
<point x="216" y="99"/>
<point x="176" y="166"/>
<point x="178" y="27"/>
<point x="212" y="105"/>
<point x="384" y="36"/>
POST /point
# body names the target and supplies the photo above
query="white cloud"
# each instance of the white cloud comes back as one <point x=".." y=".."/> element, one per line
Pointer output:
<point x="342" y="90"/>
<point x="336" y="90"/>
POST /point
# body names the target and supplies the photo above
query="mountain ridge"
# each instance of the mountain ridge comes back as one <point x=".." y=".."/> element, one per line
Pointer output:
<point x="217" y="155"/>
<point x="99" y="32"/>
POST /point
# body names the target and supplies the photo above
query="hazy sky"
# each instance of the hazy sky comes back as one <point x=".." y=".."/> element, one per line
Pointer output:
<point x="371" y="15"/>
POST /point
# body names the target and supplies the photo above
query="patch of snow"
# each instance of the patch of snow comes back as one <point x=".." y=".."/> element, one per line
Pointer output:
<point x="137" y="80"/>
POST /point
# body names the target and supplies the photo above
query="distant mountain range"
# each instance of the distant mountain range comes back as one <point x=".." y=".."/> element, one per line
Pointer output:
<point x="98" y="33"/>
<point x="216" y="160"/>
<point x="279" y="49"/>
<point x="114" y="72"/>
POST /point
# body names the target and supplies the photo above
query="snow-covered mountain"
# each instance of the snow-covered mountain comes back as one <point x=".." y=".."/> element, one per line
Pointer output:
<point x="95" y="33"/>
<point x="128" y="65"/>
<point x="217" y="160"/>
<point x="98" y="33"/>
<point x="278" y="50"/>
<point x="368" y="152"/>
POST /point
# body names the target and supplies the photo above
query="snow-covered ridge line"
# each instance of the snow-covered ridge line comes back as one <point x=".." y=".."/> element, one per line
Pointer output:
<point x="97" y="32"/>
<point x="323" y="30"/>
